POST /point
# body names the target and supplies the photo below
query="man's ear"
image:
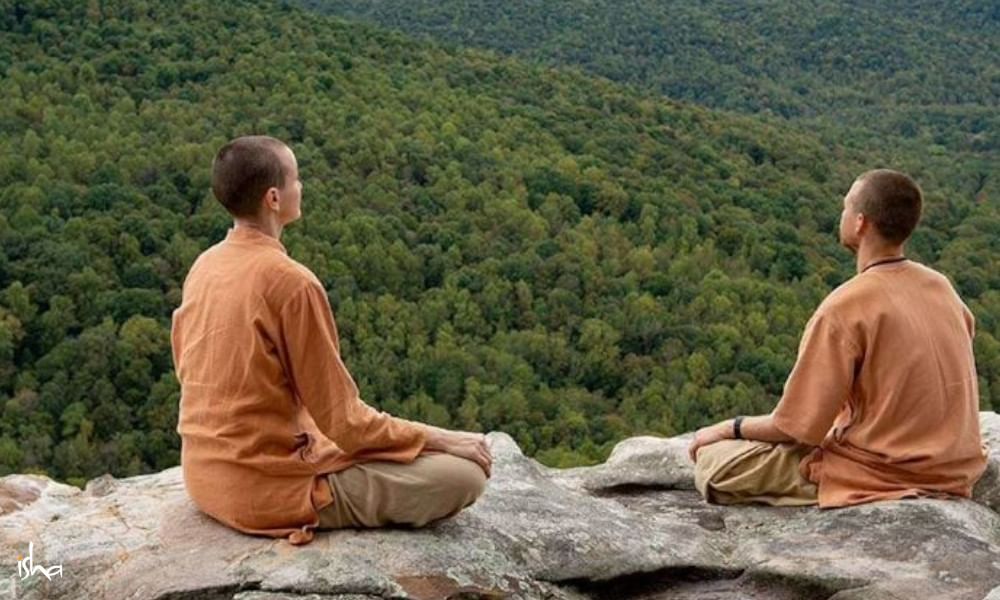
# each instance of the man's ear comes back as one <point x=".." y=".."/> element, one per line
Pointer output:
<point x="272" y="195"/>
<point x="861" y="224"/>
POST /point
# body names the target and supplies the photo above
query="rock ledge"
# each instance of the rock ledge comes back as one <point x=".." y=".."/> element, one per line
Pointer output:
<point x="630" y="528"/>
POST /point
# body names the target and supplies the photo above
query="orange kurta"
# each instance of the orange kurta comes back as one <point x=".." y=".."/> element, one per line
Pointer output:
<point x="267" y="405"/>
<point x="885" y="384"/>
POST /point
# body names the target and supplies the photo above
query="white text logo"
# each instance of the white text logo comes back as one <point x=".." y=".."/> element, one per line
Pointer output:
<point x="26" y="566"/>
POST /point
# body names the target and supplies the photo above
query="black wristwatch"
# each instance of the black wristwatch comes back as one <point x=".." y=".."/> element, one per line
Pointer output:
<point x="736" y="428"/>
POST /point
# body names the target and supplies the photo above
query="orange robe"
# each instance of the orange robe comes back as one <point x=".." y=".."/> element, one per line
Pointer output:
<point x="885" y="385"/>
<point x="267" y="406"/>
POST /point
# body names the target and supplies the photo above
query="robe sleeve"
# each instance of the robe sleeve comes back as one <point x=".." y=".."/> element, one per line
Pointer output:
<point x="820" y="382"/>
<point x="970" y="321"/>
<point x="310" y="352"/>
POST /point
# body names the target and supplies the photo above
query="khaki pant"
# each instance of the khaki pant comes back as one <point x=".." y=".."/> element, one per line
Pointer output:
<point x="744" y="471"/>
<point x="379" y="493"/>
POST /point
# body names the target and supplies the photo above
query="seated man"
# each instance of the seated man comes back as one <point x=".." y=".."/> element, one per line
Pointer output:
<point x="883" y="400"/>
<point x="275" y="439"/>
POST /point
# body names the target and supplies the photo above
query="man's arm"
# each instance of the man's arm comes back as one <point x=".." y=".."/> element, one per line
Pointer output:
<point x="310" y="351"/>
<point x="761" y="428"/>
<point x="819" y="385"/>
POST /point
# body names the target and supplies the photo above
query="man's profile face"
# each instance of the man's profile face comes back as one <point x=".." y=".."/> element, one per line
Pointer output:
<point x="289" y="195"/>
<point x="849" y="224"/>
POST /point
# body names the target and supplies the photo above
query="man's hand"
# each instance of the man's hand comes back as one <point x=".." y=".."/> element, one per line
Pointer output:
<point x="461" y="443"/>
<point x="710" y="435"/>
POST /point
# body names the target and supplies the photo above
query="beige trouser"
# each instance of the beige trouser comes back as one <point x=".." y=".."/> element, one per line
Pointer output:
<point x="744" y="471"/>
<point x="379" y="493"/>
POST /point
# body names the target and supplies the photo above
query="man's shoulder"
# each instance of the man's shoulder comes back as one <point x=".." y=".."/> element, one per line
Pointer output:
<point x="923" y="271"/>
<point x="854" y="292"/>
<point x="861" y="296"/>
<point x="291" y="276"/>
<point x="267" y="270"/>
<point x="202" y="265"/>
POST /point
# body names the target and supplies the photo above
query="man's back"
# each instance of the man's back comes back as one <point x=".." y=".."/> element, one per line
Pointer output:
<point x="911" y="421"/>
<point x="237" y="423"/>
<point x="271" y="421"/>
<point x="883" y="400"/>
<point x="263" y="388"/>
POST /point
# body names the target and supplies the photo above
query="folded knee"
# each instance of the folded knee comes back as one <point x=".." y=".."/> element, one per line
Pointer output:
<point x="453" y="484"/>
<point x="714" y="462"/>
<point x="467" y="480"/>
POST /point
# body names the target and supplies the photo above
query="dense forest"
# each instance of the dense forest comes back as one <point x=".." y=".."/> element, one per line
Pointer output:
<point x="506" y="246"/>
<point x="920" y="72"/>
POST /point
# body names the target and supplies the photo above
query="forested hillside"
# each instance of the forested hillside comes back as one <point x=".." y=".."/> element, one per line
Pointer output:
<point x="789" y="56"/>
<point x="506" y="246"/>
<point x="878" y="74"/>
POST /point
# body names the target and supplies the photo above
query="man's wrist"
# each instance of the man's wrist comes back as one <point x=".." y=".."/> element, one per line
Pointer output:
<point x="737" y="428"/>
<point x="433" y="440"/>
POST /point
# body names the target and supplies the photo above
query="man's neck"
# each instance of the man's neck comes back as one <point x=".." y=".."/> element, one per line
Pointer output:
<point x="271" y="229"/>
<point x="875" y="251"/>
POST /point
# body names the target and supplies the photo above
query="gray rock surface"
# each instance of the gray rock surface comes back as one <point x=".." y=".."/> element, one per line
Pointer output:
<point x="630" y="528"/>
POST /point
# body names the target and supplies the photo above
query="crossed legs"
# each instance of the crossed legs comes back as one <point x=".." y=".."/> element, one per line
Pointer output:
<point x="380" y="493"/>
<point x="744" y="471"/>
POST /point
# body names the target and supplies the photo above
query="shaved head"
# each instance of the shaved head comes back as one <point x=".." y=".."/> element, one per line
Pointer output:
<point x="893" y="202"/>
<point x="244" y="169"/>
